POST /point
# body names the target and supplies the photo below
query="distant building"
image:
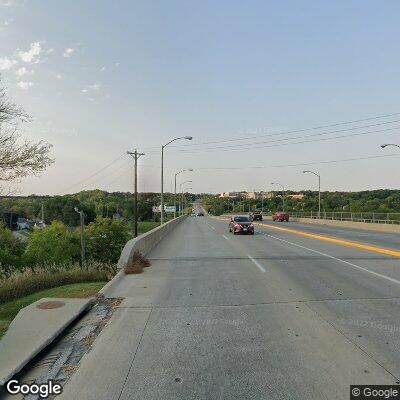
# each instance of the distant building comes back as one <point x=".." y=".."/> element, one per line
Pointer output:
<point x="230" y="195"/>
<point x="296" y="196"/>
<point x="252" y="195"/>
<point x="268" y="195"/>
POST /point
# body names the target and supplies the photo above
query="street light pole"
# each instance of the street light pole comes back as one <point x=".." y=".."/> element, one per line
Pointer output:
<point x="183" y="170"/>
<point x="181" y="197"/>
<point x="82" y="223"/>
<point x="135" y="156"/>
<point x="319" y="190"/>
<point x="162" y="172"/>
<point x="283" y="194"/>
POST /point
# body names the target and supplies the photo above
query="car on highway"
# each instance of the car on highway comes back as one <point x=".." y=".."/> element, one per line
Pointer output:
<point x="241" y="224"/>
<point x="281" y="217"/>
<point x="256" y="215"/>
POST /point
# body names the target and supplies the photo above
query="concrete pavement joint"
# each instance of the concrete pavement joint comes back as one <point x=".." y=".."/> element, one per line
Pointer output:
<point x="267" y="303"/>
<point x="134" y="356"/>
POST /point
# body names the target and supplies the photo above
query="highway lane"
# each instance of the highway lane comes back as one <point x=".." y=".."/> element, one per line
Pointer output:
<point x="219" y="316"/>
<point x="391" y="240"/>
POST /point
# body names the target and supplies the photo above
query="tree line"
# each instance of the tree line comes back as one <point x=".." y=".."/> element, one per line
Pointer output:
<point x="379" y="201"/>
<point x="94" y="203"/>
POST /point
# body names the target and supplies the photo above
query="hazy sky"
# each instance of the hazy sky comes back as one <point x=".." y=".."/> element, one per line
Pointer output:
<point x="102" y="77"/>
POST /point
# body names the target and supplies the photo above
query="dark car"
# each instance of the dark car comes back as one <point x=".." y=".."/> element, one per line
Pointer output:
<point x="241" y="225"/>
<point x="256" y="216"/>
<point x="200" y="214"/>
<point x="281" y="217"/>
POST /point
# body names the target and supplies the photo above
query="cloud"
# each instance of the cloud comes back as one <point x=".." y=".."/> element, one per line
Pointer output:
<point x="24" y="85"/>
<point x="68" y="52"/>
<point x="49" y="51"/>
<point x="91" y="88"/>
<point x="6" y="63"/>
<point x="95" y="86"/>
<point x="59" y="76"/>
<point x="23" y="71"/>
<point x="7" y="3"/>
<point x="31" y="56"/>
<point x="102" y="69"/>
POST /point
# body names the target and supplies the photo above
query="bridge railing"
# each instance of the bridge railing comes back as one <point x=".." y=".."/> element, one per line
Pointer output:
<point x="368" y="217"/>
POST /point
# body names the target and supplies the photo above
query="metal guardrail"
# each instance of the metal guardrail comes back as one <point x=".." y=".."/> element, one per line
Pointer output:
<point x="368" y="217"/>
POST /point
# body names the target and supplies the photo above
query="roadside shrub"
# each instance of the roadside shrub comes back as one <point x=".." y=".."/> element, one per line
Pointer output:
<point x="105" y="239"/>
<point x="21" y="284"/>
<point x="11" y="250"/>
<point x="136" y="264"/>
<point x="53" y="245"/>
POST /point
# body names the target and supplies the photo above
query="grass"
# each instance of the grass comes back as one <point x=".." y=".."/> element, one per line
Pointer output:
<point x="145" y="226"/>
<point x="77" y="290"/>
<point x="25" y="283"/>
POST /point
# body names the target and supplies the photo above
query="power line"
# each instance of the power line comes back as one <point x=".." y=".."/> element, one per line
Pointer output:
<point x="250" y="146"/>
<point x="291" y="131"/>
<point x="304" y="136"/>
<point x="95" y="173"/>
<point x="298" y="164"/>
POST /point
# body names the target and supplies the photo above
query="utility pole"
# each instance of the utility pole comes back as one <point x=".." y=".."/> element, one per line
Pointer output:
<point x="42" y="212"/>
<point x="135" y="156"/>
<point x="82" y="223"/>
<point x="319" y="189"/>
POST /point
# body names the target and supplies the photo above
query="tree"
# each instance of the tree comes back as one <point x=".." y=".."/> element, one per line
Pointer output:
<point x="11" y="250"/>
<point x="55" y="244"/>
<point x="18" y="158"/>
<point x="106" y="239"/>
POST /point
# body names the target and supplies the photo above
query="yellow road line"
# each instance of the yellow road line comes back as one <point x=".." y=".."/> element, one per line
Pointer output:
<point x="342" y="242"/>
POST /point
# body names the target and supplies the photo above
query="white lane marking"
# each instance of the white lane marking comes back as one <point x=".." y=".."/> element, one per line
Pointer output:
<point x="225" y="237"/>
<point x="338" y="259"/>
<point x="260" y="267"/>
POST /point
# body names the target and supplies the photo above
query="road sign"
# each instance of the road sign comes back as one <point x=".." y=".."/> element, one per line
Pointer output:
<point x="167" y="209"/>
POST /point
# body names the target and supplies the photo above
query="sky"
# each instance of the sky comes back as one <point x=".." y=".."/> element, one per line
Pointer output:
<point x="266" y="89"/>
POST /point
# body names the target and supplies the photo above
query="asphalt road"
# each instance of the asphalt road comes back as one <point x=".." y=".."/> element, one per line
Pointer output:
<point x="269" y="316"/>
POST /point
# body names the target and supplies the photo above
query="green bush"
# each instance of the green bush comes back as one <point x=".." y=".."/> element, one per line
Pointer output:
<point x="105" y="239"/>
<point x="11" y="250"/>
<point x="53" y="245"/>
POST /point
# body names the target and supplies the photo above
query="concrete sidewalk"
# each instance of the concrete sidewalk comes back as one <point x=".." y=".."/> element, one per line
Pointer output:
<point x="34" y="327"/>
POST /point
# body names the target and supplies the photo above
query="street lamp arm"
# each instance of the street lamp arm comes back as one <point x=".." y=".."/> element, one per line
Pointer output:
<point x="390" y="144"/>
<point x="178" y="138"/>
<point x="311" y="172"/>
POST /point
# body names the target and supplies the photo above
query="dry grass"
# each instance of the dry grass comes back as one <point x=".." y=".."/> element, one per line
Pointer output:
<point x="137" y="263"/>
<point x="21" y="284"/>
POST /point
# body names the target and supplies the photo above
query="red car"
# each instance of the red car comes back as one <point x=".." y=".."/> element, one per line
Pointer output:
<point x="281" y="217"/>
<point x="241" y="225"/>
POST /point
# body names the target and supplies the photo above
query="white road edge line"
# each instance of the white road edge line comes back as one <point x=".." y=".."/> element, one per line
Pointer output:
<point x="260" y="267"/>
<point x="337" y="259"/>
<point x="225" y="237"/>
